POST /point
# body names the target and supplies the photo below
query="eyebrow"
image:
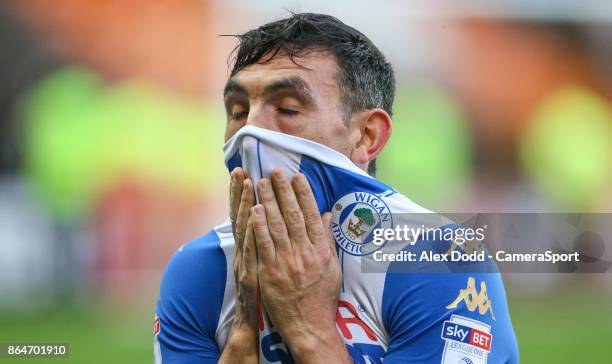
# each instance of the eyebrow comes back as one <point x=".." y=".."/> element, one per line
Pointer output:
<point x="233" y="86"/>
<point x="293" y="83"/>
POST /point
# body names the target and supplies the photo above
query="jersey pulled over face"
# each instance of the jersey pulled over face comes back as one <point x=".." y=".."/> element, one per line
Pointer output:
<point x="296" y="96"/>
<point x="429" y="316"/>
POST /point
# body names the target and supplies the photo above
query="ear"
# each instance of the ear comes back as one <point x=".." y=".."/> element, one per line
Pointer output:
<point x="370" y="131"/>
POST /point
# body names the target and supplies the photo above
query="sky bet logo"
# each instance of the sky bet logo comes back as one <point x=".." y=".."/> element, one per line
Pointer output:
<point x="465" y="334"/>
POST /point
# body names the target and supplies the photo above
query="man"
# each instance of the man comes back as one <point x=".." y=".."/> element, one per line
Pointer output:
<point x="267" y="286"/>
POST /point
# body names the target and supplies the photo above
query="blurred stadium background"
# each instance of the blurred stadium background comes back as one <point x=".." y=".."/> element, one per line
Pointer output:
<point x="111" y="130"/>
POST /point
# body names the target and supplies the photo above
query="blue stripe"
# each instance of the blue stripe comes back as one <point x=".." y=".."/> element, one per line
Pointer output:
<point x="259" y="160"/>
<point x="234" y="161"/>
<point x="330" y="183"/>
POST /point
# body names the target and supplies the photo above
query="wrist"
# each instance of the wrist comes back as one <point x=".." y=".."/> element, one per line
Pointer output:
<point x="243" y="333"/>
<point x="318" y="346"/>
<point x="244" y="339"/>
<point x="241" y="346"/>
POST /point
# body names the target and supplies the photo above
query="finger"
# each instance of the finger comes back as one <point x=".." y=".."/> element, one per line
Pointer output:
<point x="235" y="192"/>
<point x="237" y="177"/>
<point x="247" y="199"/>
<point x="290" y="209"/>
<point x="249" y="252"/>
<point x="329" y="236"/>
<point x="263" y="240"/>
<point x="276" y="222"/>
<point x="310" y="210"/>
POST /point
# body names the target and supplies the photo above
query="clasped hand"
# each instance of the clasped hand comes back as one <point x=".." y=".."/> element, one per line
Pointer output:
<point x="284" y="249"/>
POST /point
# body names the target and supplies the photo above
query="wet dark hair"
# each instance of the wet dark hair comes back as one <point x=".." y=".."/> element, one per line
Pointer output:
<point x="366" y="79"/>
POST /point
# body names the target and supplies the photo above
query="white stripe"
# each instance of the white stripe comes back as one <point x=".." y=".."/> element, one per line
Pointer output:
<point x="226" y="316"/>
<point x="293" y="144"/>
<point x="156" y="350"/>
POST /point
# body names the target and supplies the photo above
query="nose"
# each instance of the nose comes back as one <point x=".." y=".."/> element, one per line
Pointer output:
<point x="262" y="117"/>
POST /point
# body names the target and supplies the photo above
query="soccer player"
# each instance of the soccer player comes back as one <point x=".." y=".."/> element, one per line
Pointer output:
<point x="267" y="286"/>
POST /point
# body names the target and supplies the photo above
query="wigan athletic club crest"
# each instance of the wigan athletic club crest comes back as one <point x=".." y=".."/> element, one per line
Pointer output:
<point x="355" y="216"/>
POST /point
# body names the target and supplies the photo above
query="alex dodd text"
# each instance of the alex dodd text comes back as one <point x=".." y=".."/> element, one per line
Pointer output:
<point x="456" y="256"/>
<point x="458" y="236"/>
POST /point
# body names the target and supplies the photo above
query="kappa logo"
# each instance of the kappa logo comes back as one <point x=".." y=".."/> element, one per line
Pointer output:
<point x="474" y="299"/>
<point x="354" y="217"/>
<point x="468" y="247"/>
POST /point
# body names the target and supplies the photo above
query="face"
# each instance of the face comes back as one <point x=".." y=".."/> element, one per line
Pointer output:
<point x="282" y="96"/>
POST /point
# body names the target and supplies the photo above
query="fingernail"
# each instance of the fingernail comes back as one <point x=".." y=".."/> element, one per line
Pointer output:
<point x="257" y="210"/>
<point x="280" y="174"/>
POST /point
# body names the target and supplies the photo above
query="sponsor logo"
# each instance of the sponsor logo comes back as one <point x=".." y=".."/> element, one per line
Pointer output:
<point x="355" y="216"/>
<point x="474" y="299"/>
<point x="467" y="341"/>
<point x="156" y="326"/>
<point x="466" y="334"/>
<point x="351" y="317"/>
<point x="361" y="341"/>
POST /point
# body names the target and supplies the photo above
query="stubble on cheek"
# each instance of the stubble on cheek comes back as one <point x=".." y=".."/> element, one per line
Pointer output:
<point x="337" y="138"/>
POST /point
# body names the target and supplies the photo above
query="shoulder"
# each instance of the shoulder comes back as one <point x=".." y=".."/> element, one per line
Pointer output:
<point x="193" y="256"/>
<point x="422" y="305"/>
<point x="193" y="285"/>
<point x="194" y="264"/>
<point x="423" y="312"/>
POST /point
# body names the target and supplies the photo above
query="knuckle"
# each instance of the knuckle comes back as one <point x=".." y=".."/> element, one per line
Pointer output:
<point x="277" y="226"/>
<point x="269" y="244"/>
<point x="307" y="259"/>
<point x="294" y="270"/>
<point x="259" y="224"/>
<point x="302" y="191"/>
<point x="311" y="217"/>
<point x="265" y="243"/>
<point x="264" y="186"/>
<point x="317" y="236"/>
<point x="238" y="232"/>
<point x="264" y="191"/>
<point x="283" y="186"/>
<point x="275" y="279"/>
<point x="325" y="254"/>
<point x="270" y="274"/>
<point x="294" y="216"/>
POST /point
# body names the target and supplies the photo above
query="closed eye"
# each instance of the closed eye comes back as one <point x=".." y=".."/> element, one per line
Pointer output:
<point x="239" y="115"/>
<point x="287" y="112"/>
